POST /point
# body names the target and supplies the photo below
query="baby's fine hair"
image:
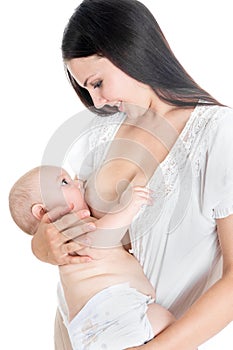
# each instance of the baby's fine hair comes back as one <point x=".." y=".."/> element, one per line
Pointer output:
<point x="24" y="193"/>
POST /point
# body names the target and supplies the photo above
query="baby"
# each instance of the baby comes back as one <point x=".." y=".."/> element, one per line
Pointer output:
<point x="108" y="302"/>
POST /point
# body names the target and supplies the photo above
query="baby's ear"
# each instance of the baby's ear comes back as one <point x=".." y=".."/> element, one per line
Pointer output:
<point x="38" y="210"/>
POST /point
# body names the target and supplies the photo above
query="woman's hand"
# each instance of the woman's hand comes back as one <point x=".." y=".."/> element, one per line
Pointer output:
<point x="52" y="242"/>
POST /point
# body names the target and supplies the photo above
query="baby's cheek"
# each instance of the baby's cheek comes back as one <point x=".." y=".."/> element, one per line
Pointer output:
<point x="77" y="199"/>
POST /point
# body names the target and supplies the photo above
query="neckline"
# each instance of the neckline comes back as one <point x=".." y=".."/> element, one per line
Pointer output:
<point x="180" y="137"/>
<point x="169" y="156"/>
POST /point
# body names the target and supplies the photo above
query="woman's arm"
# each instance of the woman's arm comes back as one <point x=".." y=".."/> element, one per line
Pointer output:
<point x="211" y="312"/>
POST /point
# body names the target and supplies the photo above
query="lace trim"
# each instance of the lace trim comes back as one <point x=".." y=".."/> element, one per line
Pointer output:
<point x="195" y="133"/>
<point x="206" y="123"/>
<point x="103" y="132"/>
<point x="193" y="142"/>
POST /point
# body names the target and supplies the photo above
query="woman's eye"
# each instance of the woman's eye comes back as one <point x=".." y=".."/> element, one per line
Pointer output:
<point x="64" y="182"/>
<point x="98" y="84"/>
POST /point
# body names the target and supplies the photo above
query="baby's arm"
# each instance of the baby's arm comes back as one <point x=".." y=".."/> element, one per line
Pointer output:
<point x="118" y="220"/>
<point x="129" y="205"/>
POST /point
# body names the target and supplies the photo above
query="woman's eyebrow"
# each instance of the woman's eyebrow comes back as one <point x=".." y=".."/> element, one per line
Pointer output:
<point x="86" y="81"/>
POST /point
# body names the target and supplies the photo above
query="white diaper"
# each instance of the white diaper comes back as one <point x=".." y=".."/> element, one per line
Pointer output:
<point x="114" y="319"/>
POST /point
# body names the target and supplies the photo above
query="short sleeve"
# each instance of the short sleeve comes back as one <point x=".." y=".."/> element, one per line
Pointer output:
<point x="217" y="172"/>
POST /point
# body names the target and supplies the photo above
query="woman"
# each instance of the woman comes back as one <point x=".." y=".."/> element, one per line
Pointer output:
<point x="117" y="58"/>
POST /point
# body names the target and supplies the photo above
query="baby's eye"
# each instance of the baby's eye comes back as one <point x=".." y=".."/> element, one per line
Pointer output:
<point x="64" y="182"/>
<point x="98" y="84"/>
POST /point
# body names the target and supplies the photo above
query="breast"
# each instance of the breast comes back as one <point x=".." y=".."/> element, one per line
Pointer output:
<point x="132" y="158"/>
<point x="104" y="188"/>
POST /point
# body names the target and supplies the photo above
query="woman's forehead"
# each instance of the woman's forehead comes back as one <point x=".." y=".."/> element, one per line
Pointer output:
<point x="84" y="68"/>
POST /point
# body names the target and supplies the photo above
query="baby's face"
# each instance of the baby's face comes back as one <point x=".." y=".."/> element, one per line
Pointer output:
<point x="73" y="191"/>
<point x="60" y="190"/>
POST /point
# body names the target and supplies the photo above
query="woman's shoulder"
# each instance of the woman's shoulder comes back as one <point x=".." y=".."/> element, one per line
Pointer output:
<point x="221" y="118"/>
<point x="217" y="113"/>
<point x="218" y="130"/>
<point x="212" y="119"/>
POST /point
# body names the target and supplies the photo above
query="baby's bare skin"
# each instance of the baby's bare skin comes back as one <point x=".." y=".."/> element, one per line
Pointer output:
<point x="110" y="263"/>
<point x="109" y="266"/>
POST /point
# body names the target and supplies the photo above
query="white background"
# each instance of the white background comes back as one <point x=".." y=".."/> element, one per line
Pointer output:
<point x="36" y="99"/>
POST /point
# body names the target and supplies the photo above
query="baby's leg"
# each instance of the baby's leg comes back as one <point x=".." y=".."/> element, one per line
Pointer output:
<point x="61" y="337"/>
<point x="159" y="318"/>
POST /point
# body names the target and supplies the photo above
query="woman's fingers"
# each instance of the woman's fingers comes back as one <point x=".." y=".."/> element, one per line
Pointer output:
<point x="45" y="244"/>
<point x="51" y="242"/>
<point x="76" y="231"/>
<point x="71" y="219"/>
<point x="65" y="223"/>
<point x="49" y="245"/>
<point x="59" y="212"/>
<point x="73" y="225"/>
<point x="56" y="213"/>
<point x="68" y="220"/>
<point x="70" y="259"/>
<point x="72" y="248"/>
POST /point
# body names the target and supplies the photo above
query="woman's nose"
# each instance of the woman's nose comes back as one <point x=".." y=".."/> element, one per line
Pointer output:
<point x="98" y="100"/>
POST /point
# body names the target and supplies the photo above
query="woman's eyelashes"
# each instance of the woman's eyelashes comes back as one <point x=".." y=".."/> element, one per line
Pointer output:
<point x="97" y="84"/>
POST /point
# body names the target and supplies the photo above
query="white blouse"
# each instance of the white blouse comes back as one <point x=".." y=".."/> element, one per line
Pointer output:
<point x="176" y="240"/>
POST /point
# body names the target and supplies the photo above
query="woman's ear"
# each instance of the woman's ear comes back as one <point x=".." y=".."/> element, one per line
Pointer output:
<point x="38" y="210"/>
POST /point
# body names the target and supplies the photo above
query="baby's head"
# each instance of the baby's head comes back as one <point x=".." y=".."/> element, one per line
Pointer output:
<point x="39" y="191"/>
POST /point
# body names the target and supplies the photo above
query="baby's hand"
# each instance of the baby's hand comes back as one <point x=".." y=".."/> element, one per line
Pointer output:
<point x="135" y="197"/>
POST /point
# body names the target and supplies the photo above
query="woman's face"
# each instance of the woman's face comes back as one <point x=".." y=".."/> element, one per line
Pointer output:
<point x="108" y="85"/>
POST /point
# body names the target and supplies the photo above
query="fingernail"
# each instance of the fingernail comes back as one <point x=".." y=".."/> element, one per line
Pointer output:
<point x="88" y="259"/>
<point x="91" y="227"/>
<point x="85" y="241"/>
<point x="85" y="213"/>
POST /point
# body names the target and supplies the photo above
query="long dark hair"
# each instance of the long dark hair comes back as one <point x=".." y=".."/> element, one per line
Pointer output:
<point x="126" y="33"/>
